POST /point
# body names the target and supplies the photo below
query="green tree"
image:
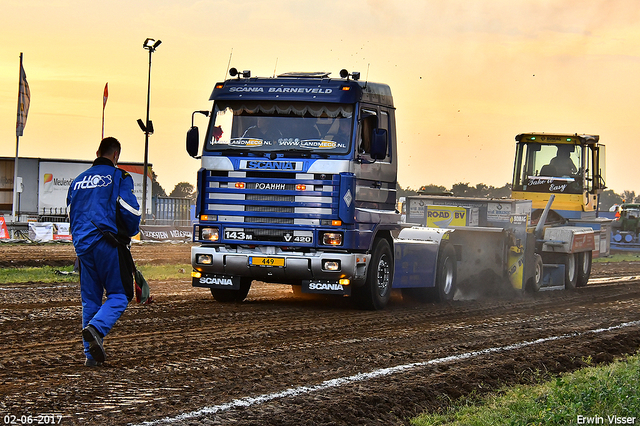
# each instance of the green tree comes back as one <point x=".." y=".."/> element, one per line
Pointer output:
<point x="433" y="190"/>
<point x="156" y="189"/>
<point x="404" y="192"/>
<point x="629" y="196"/>
<point x="607" y="199"/>
<point x="183" y="190"/>
<point x="461" y="189"/>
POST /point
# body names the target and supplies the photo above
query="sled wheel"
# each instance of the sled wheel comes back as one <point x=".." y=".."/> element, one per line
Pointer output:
<point x="535" y="282"/>
<point x="584" y="268"/>
<point x="571" y="271"/>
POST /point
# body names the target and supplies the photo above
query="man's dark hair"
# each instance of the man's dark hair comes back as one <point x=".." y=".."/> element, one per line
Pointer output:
<point x="108" y="146"/>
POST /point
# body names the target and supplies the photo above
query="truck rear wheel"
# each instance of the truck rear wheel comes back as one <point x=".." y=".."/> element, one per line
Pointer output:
<point x="233" y="296"/>
<point x="571" y="271"/>
<point x="375" y="293"/>
<point x="446" y="273"/>
<point x="584" y="268"/>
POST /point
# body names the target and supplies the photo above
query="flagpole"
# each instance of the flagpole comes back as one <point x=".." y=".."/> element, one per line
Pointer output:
<point x="15" y="162"/>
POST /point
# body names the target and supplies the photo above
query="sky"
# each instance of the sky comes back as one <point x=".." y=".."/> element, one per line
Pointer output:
<point x="466" y="76"/>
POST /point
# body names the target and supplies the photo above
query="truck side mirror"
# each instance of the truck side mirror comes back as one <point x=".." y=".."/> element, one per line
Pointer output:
<point x="193" y="141"/>
<point x="379" y="144"/>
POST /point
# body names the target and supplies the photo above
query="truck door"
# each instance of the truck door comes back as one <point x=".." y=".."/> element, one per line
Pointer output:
<point x="375" y="178"/>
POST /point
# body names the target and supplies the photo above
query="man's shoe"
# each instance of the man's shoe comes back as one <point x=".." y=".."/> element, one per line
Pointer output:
<point x="90" y="362"/>
<point x="91" y="336"/>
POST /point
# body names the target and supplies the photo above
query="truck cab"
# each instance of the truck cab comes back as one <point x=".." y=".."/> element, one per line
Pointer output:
<point x="297" y="186"/>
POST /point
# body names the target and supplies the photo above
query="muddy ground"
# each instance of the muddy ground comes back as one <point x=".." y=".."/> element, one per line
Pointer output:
<point x="281" y="360"/>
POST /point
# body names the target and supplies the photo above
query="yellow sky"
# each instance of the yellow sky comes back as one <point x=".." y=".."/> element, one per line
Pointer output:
<point x="466" y="76"/>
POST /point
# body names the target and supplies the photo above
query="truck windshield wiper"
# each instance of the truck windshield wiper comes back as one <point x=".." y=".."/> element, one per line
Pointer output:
<point x="302" y="151"/>
<point x="228" y="149"/>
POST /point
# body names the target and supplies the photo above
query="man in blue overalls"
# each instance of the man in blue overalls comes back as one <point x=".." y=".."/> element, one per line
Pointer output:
<point x="104" y="215"/>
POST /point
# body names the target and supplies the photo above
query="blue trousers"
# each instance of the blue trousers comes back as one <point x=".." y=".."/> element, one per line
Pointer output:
<point x="100" y="273"/>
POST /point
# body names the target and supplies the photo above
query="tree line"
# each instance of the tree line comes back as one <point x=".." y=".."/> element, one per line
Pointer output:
<point x="181" y="190"/>
<point x="608" y="197"/>
<point x="459" y="190"/>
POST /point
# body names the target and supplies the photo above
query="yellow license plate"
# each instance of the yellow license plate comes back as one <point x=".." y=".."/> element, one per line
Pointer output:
<point x="267" y="261"/>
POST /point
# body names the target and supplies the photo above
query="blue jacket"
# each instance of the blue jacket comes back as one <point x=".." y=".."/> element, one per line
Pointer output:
<point x="102" y="196"/>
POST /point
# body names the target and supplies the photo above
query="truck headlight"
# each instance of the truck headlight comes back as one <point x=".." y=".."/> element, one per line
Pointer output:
<point x="331" y="265"/>
<point x="332" y="238"/>
<point x="209" y="234"/>
<point x="204" y="259"/>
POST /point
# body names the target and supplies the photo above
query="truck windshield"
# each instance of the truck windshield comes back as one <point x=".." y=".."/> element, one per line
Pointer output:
<point x="549" y="168"/>
<point x="281" y="127"/>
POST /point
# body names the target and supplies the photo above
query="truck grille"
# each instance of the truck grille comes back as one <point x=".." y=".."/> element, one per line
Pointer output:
<point x="272" y="209"/>
<point x="237" y="199"/>
<point x="278" y="220"/>
<point x="274" y="198"/>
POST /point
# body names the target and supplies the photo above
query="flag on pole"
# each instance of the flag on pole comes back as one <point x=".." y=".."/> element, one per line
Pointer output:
<point x="105" y="96"/>
<point x="24" y="98"/>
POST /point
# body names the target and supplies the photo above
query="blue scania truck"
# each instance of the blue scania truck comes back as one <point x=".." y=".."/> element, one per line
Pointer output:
<point x="298" y="186"/>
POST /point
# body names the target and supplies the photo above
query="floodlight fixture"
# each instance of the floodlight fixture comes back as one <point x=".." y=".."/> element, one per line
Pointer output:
<point x="151" y="45"/>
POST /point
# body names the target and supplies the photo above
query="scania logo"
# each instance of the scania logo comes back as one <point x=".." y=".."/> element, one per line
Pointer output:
<point x="325" y="286"/>
<point x="272" y="165"/>
<point x="217" y="281"/>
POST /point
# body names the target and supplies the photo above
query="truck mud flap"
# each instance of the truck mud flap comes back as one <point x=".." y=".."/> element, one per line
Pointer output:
<point x="226" y="282"/>
<point x="325" y="287"/>
<point x="415" y="264"/>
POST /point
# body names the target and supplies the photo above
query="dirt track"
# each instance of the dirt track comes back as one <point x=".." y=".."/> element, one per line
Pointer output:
<point x="186" y="352"/>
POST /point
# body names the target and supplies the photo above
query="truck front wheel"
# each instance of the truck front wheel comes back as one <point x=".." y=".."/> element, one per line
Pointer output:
<point x="233" y="296"/>
<point x="375" y="293"/>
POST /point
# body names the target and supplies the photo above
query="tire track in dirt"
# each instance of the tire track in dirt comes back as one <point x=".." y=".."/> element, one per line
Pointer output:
<point x="346" y="381"/>
<point x="187" y="352"/>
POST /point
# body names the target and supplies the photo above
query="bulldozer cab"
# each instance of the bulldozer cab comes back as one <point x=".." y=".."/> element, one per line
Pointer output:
<point x="569" y="166"/>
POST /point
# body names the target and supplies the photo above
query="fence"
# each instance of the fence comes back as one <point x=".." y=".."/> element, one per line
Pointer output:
<point x="170" y="211"/>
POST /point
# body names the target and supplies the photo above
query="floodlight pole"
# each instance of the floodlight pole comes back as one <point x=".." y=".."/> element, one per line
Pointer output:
<point x="151" y="47"/>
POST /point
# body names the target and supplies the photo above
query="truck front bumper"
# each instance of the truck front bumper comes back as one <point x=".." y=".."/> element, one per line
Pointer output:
<point x="271" y="264"/>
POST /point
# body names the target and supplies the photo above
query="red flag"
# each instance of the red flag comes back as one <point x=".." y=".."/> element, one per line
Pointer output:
<point x="24" y="99"/>
<point x="105" y="96"/>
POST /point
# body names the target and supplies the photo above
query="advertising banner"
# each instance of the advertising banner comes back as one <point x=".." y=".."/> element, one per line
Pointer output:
<point x="48" y="231"/>
<point x="55" y="177"/>
<point x="41" y="231"/>
<point x="165" y="233"/>
<point x="444" y="216"/>
<point x="53" y="185"/>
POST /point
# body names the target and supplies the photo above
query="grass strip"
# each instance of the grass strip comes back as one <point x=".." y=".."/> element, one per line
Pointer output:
<point x="51" y="274"/>
<point x="607" y="394"/>
<point x="618" y="257"/>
